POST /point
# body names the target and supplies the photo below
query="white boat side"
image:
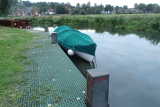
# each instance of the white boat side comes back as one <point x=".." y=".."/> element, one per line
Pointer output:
<point x="39" y="29"/>
<point x="51" y="29"/>
<point x="85" y="56"/>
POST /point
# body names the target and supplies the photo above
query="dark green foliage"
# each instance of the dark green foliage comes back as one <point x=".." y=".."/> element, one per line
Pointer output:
<point x="108" y="8"/>
<point x="150" y="8"/>
<point x="60" y="9"/>
<point x="135" y="22"/>
<point x="156" y="26"/>
<point x="5" y="6"/>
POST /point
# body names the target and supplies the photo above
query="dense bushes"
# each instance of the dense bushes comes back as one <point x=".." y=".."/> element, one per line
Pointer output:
<point x="135" y="22"/>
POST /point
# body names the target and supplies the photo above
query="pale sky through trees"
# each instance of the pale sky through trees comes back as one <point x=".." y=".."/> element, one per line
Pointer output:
<point x="129" y="3"/>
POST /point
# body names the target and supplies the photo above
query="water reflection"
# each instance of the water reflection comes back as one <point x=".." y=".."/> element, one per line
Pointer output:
<point x="153" y="37"/>
<point x="133" y="63"/>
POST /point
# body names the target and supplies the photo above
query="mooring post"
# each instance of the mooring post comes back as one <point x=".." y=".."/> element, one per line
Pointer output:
<point x="97" y="89"/>
<point x="54" y="37"/>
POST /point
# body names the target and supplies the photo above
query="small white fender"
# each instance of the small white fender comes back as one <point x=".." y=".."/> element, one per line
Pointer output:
<point x="70" y="52"/>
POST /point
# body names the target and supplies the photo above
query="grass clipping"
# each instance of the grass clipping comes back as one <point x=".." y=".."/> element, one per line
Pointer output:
<point x="13" y="44"/>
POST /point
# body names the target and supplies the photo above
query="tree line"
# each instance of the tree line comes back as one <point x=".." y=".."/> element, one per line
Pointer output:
<point x="67" y="8"/>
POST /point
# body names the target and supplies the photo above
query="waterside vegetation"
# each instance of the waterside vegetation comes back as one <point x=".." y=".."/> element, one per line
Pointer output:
<point x="13" y="44"/>
<point x="125" y="22"/>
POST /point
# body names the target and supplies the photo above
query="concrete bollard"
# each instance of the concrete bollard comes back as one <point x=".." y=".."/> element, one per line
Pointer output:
<point x="97" y="89"/>
<point x="54" y="37"/>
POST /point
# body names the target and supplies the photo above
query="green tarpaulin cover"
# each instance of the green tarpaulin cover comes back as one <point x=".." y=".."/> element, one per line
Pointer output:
<point x="73" y="39"/>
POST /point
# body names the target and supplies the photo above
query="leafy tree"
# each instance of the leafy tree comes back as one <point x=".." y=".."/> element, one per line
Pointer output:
<point x="156" y="8"/>
<point x="108" y="8"/>
<point x="152" y="8"/>
<point x="141" y="7"/>
<point x="149" y="8"/>
<point x="61" y="9"/>
<point x="117" y="8"/>
<point x="42" y="6"/>
<point x="78" y="5"/>
<point x="5" y="6"/>
<point x="125" y="7"/>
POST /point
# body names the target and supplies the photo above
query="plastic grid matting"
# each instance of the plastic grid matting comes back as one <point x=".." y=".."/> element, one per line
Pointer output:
<point x="53" y="80"/>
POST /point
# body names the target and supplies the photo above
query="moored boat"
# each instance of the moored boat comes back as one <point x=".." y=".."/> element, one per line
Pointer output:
<point x="76" y="42"/>
<point x="41" y="29"/>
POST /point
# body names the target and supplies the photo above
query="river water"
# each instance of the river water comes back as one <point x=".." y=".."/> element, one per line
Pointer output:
<point x="133" y="63"/>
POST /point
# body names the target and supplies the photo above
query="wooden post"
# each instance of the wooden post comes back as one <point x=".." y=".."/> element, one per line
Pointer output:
<point x="97" y="89"/>
<point x="54" y="37"/>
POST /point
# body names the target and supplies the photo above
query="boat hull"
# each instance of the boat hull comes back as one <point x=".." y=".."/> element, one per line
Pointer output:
<point x="39" y="29"/>
<point x="85" y="56"/>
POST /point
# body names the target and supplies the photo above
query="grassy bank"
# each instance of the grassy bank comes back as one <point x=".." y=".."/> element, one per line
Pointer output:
<point x="13" y="44"/>
<point x="126" y="22"/>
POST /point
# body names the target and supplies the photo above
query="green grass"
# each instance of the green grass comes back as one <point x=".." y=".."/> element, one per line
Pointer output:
<point x="13" y="44"/>
<point x="117" y="22"/>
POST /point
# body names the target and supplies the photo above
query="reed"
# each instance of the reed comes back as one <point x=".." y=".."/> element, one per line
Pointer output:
<point x="126" y="22"/>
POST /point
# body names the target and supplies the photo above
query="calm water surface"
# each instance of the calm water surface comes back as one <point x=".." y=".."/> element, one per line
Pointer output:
<point x="134" y="67"/>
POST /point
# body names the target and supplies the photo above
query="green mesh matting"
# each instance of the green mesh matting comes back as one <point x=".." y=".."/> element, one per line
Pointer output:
<point x="53" y="80"/>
